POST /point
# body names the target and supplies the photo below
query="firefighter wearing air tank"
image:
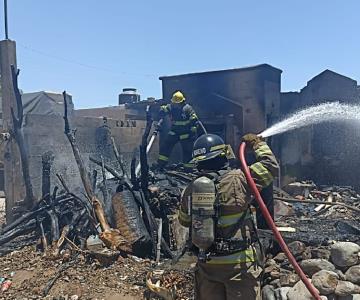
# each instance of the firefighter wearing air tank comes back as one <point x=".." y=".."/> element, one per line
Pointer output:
<point x="216" y="207"/>
<point x="183" y="129"/>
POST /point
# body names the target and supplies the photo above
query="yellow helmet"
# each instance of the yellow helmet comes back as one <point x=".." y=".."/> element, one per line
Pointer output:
<point x="178" y="97"/>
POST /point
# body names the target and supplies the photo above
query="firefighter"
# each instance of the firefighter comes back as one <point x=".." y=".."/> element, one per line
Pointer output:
<point x="184" y="122"/>
<point x="216" y="208"/>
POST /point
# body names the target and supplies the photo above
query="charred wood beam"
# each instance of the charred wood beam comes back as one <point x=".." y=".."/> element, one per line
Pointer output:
<point x="18" y="244"/>
<point x="108" y="168"/>
<point x="19" y="138"/>
<point x="78" y="158"/>
<point x="94" y="179"/>
<point x="118" y="157"/>
<point x="54" y="221"/>
<point x="47" y="160"/>
<point x="153" y="226"/>
<point x="30" y="215"/>
<point x="181" y="176"/>
<point x="109" y="236"/>
<point x="107" y="202"/>
<point x="139" y="197"/>
<point x="81" y="201"/>
<point x="18" y="231"/>
<point x="54" y="225"/>
<point x="63" y="183"/>
<point x="104" y="185"/>
<point x="59" y="242"/>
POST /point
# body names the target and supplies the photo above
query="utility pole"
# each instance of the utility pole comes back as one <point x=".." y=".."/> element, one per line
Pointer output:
<point x="6" y="20"/>
<point x="14" y="184"/>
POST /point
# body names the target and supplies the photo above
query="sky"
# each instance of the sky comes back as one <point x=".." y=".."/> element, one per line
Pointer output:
<point x="93" y="49"/>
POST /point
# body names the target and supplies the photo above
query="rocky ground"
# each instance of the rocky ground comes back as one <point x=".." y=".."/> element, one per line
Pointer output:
<point x="325" y="242"/>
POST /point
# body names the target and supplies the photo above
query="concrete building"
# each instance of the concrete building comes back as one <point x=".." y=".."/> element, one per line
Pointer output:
<point x="230" y="102"/>
<point x="323" y="152"/>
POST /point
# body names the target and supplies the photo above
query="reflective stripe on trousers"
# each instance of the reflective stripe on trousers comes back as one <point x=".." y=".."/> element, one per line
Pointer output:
<point x="163" y="158"/>
<point x="184" y="136"/>
<point x="244" y="256"/>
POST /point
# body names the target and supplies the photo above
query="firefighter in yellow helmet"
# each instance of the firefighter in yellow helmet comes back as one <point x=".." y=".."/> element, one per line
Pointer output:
<point x="216" y="208"/>
<point x="183" y="129"/>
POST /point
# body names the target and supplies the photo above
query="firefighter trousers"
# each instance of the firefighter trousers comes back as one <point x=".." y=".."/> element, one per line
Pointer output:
<point x="227" y="282"/>
<point x="168" y="145"/>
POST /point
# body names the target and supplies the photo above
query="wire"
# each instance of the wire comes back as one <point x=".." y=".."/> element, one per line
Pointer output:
<point x="74" y="62"/>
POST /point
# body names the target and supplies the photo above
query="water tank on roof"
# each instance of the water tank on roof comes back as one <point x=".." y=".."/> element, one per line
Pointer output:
<point x="129" y="95"/>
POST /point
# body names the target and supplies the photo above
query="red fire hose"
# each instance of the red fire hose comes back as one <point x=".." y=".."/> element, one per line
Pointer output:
<point x="272" y="225"/>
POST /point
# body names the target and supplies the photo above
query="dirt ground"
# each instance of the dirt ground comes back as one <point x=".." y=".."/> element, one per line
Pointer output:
<point x="30" y="272"/>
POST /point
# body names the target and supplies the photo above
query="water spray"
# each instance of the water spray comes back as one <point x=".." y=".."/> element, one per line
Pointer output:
<point x="325" y="112"/>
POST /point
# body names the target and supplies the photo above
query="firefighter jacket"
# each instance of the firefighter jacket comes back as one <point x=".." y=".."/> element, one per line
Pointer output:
<point x="234" y="219"/>
<point x="183" y="119"/>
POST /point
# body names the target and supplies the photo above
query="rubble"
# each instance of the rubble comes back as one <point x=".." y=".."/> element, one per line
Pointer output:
<point x="346" y="288"/>
<point x="299" y="292"/>
<point x="325" y="281"/>
<point x="353" y="274"/>
<point x="314" y="265"/>
<point x="345" y="254"/>
<point x="325" y="243"/>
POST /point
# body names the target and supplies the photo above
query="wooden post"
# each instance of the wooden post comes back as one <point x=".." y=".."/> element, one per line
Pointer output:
<point x="14" y="184"/>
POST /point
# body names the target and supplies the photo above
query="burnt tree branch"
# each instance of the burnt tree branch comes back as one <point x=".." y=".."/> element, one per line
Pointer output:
<point x="19" y="138"/>
<point x="109" y="236"/>
<point x="118" y="157"/>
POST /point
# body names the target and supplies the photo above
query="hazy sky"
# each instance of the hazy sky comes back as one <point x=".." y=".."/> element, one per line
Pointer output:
<point x="95" y="48"/>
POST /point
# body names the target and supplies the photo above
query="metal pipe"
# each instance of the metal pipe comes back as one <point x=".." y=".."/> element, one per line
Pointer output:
<point x="6" y="20"/>
<point x="148" y="147"/>
<point x="202" y="127"/>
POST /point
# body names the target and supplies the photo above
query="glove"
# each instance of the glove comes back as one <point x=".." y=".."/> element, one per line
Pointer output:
<point x="252" y="140"/>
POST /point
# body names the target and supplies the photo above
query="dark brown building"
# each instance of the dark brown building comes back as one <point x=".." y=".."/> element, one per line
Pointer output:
<point x="230" y="102"/>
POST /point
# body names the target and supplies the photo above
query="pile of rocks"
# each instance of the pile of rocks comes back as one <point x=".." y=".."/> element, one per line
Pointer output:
<point x="334" y="271"/>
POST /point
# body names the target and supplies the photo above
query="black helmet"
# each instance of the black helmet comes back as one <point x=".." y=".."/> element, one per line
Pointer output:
<point x="208" y="146"/>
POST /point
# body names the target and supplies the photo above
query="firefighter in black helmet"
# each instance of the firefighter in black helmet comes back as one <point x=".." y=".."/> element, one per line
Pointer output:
<point x="216" y="207"/>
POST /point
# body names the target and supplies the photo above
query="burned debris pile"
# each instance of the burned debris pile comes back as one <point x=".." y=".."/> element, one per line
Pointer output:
<point x="321" y="227"/>
<point x="119" y="217"/>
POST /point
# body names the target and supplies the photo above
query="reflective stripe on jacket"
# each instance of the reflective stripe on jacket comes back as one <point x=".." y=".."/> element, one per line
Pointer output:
<point x="234" y="197"/>
<point x="183" y="119"/>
